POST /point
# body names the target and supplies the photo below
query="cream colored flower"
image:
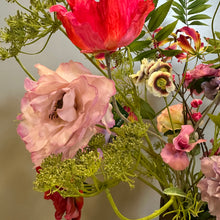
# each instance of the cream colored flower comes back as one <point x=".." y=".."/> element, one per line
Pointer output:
<point x="160" y="83"/>
<point x="143" y="73"/>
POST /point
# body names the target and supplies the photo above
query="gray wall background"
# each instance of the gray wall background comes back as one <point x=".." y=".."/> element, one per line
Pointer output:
<point x="17" y="198"/>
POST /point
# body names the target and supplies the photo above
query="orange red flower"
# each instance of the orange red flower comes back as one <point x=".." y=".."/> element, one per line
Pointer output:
<point x="105" y="25"/>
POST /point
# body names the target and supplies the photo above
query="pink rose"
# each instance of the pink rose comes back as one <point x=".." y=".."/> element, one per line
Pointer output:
<point x="210" y="185"/>
<point x="61" y="109"/>
<point x="163" y="120"/>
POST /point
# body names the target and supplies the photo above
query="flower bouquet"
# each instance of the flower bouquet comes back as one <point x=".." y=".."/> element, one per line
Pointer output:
<point x="88" y="132"/>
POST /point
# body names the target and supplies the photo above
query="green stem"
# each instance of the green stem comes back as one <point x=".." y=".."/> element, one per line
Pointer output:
<point x="23" y="7"/>
<point x="156" y="135"/>
<point x="42" y="47"/>
<point x="95" y="64"/>
<point x="206" y="111"/>
<point x="107" y="58"/>
<point x="25" y="70"/>
<point x="168" y="110"/>
<point x="153" y="215"/>
<point x="152" y="186"/>
<point x="212" y="27"/>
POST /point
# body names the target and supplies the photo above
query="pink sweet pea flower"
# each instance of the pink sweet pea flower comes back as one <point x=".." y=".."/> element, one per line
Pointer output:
<point x="105" y="25"/>
<point x="60" y="111"/>
<point x="178" y="160"/>
<point x="175" y="154"/>
<point x="182" y="143"/>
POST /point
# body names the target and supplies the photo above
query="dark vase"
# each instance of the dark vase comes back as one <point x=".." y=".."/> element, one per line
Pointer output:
<point x="165" y="216"/>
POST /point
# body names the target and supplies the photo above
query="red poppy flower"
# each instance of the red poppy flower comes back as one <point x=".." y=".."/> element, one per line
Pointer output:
<point x="104" y="25"/>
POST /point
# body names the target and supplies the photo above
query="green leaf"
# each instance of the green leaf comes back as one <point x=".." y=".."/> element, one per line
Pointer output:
<point x="217" y="34"/>
<point x="146" y="110"/>
<point x="170" y="53"/>
<point x="166" y="31"/>
<point x="139" y="45"/>
<point x="140" y="35"/>
<point x="183" y="3"/>
<point x="197" y="3"/>
<point x="198" y="17"/>
<point x="146" y="54"/>
<point x="215" y="119"/>
<point x="213" y="42"/>
<point x="212" y="61"/>
<point x="159" y="15"/>
<point x="173" y="191"/>
<point x="180" y="7"/>
<point x="211" y="49"/>
<point x="199" y="9"/>
<point x="197" y="23"/>
<point x="178" y="12"/>
<point x="181" y="18"/>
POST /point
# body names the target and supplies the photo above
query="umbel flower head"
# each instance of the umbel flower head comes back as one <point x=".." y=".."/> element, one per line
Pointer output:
<point x="60" y="111"/>
<point x="104" y="25"/>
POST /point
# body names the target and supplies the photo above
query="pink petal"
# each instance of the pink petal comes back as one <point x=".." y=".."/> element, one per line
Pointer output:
<point x="178" y="160"/>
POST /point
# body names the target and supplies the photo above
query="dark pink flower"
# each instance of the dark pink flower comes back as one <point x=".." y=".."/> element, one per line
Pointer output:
<point x="210" y="185"/>
<point x="196" y="116"/>
<point x="194" y="78"/>
<point x="105" y="25"/>
<point x="196" y="103"/>
<point x="60" y="111"/>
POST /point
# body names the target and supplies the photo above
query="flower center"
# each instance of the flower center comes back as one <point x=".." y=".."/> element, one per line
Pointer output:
<point x="161" y="83"/>
<point x="58" y="105"/>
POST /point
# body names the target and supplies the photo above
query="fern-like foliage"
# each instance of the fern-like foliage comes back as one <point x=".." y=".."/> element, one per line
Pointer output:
<point x="214" y="48"/>
<point x="190" y="11"/>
